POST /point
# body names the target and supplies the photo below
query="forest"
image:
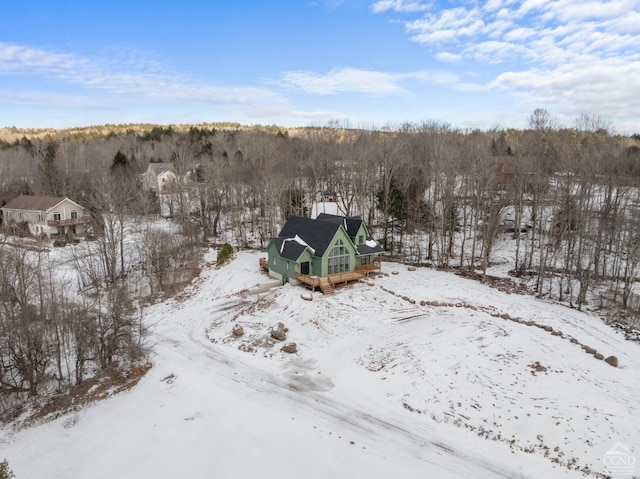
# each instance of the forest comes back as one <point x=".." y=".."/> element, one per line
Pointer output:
<point x="565" y="198"/>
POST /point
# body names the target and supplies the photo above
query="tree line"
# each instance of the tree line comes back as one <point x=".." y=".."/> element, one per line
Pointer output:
<point x="565" y="198"/>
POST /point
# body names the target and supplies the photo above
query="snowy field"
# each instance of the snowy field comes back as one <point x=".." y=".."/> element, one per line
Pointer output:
<point x="411" y="374"/>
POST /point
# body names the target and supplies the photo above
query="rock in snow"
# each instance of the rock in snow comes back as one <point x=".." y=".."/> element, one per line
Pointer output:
<point x="290" y="348"/>
<point x="613" y="361"/>
<point x="278" y="332"/>
<point x="237" y="330"/>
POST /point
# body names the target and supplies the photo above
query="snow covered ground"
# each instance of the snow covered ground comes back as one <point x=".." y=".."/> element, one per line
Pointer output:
<point x="414" y="374"/>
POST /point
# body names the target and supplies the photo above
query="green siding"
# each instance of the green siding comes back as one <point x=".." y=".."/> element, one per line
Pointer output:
<point x="341" y="234"/>
<point x="318" y="266"/>
<point x="362" y="232"/>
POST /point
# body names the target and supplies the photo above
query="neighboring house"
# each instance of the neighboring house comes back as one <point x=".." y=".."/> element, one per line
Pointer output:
<point x="322" y="252"/>
<point x="505" y="171"/>
<point x="45" y="215"/>
<point x="160" y="177"/>
<point x="328" y="196"/>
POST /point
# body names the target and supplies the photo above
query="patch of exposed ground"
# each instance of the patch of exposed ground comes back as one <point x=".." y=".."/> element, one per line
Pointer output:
<point x="110" y="382"/>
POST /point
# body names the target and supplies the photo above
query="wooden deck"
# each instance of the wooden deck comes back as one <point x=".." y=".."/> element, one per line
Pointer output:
<point x="327" y="285"/>
<point x="367" y="269"/>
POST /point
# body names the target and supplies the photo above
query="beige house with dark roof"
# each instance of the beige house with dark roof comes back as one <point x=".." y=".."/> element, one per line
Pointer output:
<point x="161" y="177"/>
<point x="47" y="215"/>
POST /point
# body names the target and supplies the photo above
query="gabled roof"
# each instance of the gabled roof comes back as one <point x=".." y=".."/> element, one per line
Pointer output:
<point x="370" y="247"/>
<point x="35" y="203"/>
<point x="289" y="247"/>
<point x="159" y="168"/>
<point x="350" y="223"/>
<point x="316" y="234"/>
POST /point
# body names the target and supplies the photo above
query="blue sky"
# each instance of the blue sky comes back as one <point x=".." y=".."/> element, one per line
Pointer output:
<point x="369" y="63"/>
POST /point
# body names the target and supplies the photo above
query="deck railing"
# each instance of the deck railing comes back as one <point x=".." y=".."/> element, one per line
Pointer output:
<point x="368" y="268"/>
<point x="71" y="222"/>
<point x="314" y="281"/>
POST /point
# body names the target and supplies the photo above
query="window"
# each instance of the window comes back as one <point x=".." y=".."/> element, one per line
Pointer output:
<point x="360" y="239"/>
<point x="339" y="259"/>
<point x="56" y="217"/>
<point x="74" y="215"/>
<point x="40" y="217"/>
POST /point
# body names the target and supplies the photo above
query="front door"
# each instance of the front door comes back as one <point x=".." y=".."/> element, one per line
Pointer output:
<point x="304" y="268"/>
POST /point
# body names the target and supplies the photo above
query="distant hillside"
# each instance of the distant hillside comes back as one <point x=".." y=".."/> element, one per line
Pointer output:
<point x="11" y="134"/>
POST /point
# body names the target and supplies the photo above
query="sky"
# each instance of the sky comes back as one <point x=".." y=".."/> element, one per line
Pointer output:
<point x="364" y="63"/>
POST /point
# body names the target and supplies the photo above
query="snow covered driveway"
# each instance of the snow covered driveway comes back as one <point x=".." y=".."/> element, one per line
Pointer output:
<point x="381" y="387"/>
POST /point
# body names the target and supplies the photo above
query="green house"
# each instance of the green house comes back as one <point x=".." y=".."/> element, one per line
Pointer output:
<point x="322" y="252"/>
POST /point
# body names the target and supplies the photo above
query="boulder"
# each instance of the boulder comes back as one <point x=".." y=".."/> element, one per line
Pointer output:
<point x="599" y="356"/>
<point x="290" y="348"/>
<point x="411" y="268"/>
<point x="612" y="360"/>
<point x="278" y="332"/>
<point x="589" y="350"/>
<point x="505" y="316"/>
<point x="237" y="330"/>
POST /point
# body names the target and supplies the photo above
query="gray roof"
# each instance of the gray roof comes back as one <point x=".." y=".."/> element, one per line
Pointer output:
<point x="34" y="203"/>
<point x="317" y="234"/>
<point x="158" y="168"/>
<point x="352" y="225"/>
<point x="366" y="249"/>
<point x="291" y="250"/>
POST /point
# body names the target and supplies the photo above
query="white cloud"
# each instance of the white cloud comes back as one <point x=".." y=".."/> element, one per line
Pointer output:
<point x="576" y="11"/>
<point x="399" y="6"/>
<point x="519" y="34"/>
<point x="529" y="6"/>
<point x="351" y="80"/>
<point x="495" y="51"/>
<point x="605" y="88"/>
<point x="135" y="79"/>
<point x="448" y="25"/>
<point x="448" y="57"/>
<point x="343" y="80"/>
<point x="574" y="53"/>
<point x="492" y="5"/>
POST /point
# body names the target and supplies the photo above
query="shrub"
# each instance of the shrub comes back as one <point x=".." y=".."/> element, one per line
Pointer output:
<point x="225" y="253"/>
<point x="5" y="471"/>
